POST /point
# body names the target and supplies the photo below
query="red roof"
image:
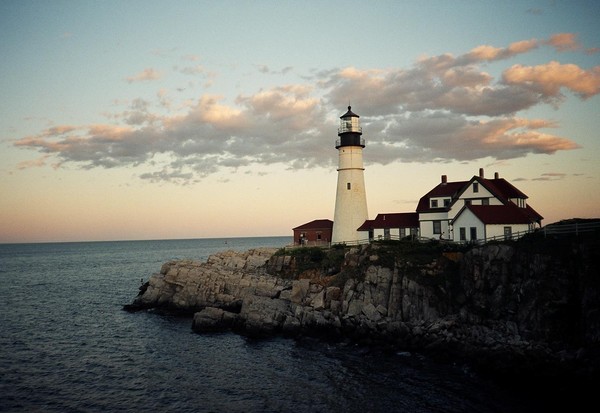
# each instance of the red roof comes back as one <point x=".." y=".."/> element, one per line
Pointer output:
<point x="503" y="187"/>
<point x="367" y="225"/>
<point x="316" y="224"/>
<point x="533" y="215"/>
<point x="393" y="220"/>
<point x="447" y="190"/>
<point x="500" y="188"/>
<point x="501" y="214"/>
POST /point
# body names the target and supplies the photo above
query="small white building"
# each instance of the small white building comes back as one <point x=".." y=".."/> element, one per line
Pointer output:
<point x="477" y="222"/>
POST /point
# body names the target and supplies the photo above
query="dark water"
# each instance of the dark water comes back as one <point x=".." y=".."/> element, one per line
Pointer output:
<point x="66" y="345"/>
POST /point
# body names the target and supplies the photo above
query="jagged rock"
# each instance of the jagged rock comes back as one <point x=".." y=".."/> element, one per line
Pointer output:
<point x="332" y="293"/>
<point x="263" y="315"/>
<point x="354" y="308"/>
<point x="300" y="289"/>
<point x="189" y="286"/>
<point x="371" y="312"/>
<point x="213" y="319"/>
<point x="318" y="302"/>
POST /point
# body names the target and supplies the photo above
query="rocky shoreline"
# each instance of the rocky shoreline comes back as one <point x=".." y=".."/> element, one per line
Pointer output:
<point x="497" y="308"/>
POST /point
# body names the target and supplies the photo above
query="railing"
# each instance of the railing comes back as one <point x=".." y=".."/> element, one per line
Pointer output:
<point x="562" y="229"/>
<point x="503" y="237"/>
<point x="316" y="243"/>
<point x="576" y="228"/>
<point x="338" y="143"/>
<point x="552" y="229"/>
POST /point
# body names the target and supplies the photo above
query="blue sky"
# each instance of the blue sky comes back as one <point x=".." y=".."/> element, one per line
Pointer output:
<point x="148" y="119"/>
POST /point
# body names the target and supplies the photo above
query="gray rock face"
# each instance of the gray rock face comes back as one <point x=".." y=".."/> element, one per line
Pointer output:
<point x="493" y="303"/>
<point x="223" y="281"/>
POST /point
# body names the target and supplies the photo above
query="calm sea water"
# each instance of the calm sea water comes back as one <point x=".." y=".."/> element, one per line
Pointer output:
<point x="66" y="345"/>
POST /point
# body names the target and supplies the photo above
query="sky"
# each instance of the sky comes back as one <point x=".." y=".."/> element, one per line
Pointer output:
<point x="127" y="120"/>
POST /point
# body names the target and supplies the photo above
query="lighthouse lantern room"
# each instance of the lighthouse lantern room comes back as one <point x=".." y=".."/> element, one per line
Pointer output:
<point x="351" y="199"/>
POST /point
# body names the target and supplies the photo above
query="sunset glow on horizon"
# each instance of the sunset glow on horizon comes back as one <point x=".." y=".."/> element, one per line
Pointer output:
<point x="147" y="120"/>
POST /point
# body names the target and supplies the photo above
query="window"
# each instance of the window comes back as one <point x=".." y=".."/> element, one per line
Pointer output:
<point x="348" y="186"/>
<point x="446" y="202"/>
<point x="319" y="236"/>
<point x="437" y="227"/>
<point x="473" y="233"/>
<point x="485" y="201"/>
<point x="507" y="232"/>
<point x="434" y="203"/>
<point x="463" y="234"/>
<point x="402" y="232"/>
<point x="386" y="233"/>
<point x="467" y="202"/>
<point x="475" y="187"/>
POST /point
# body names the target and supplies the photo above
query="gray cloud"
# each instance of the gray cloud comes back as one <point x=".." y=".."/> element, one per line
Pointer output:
<point x="442" y="109"/>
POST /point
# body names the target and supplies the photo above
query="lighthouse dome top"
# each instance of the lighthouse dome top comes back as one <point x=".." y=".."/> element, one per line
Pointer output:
<point x="350" y="130"/>
<point x="349" y="123"/>
<point x="349" y="114"/>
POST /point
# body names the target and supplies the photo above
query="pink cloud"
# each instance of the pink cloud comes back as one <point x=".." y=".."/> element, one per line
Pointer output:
<point x="145" y="75"/>
<point x="564" y="42"/>
<point x="490" y="53"/>
<point x="549" y="78"/>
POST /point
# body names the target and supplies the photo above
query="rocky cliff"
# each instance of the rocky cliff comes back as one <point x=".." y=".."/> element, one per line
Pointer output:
<point x="531" y="306"/>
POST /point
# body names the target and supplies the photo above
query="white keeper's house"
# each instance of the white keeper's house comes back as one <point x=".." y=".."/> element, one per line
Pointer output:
<point x="475" y="210"/>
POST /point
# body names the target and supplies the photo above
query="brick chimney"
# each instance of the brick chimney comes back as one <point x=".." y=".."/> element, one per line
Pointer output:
<point x="444" y="179"/>
<point x="481" y="172"/>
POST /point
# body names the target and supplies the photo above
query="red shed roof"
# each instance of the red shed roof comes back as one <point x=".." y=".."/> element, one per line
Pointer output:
<point x="316" y="224"/>
<point x="392" y="220"/>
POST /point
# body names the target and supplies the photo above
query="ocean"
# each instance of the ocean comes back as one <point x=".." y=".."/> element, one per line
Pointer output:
<point x="66" y="345"/>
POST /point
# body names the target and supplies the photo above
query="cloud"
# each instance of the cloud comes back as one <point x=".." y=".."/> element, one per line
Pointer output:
<point x="144" y="76"/>
<point x="191" y="57"/>
<point x="267" y="70"/>
<point x="41" y="161"/>
<point x="440" y="136"/>
<point x="564" y="42"/>
<point x="490" y="53"/>
<point x="167" y="175"/>
<point x="550" y="176"/>
<point x="442" y="108"/>
<point x="263" y="68"/>
<point x="194" y="70"/>
<point x="535" y="12"/>
<point x="548" y="79"/>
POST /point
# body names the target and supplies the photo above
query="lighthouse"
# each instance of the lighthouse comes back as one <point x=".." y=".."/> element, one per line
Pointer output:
<point x="351" y="198"/>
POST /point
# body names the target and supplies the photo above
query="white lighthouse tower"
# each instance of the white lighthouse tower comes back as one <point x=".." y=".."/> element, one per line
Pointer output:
<point x="351" y="197"/>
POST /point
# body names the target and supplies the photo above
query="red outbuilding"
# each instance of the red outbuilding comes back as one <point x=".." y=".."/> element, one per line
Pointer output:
<point x="314" y="233"/>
